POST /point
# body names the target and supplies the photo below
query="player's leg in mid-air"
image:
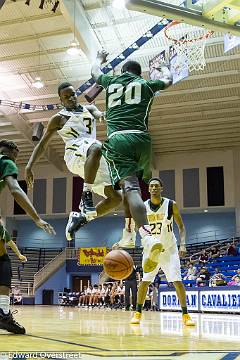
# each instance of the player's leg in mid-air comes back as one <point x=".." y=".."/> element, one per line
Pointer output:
<point x="91" y="167"/>
<point x="111" y="201"/>
<point x="128" y="239"/>
<point x="124" y="165"/>
<point x="170" y="264"/>
<point x="102" y="186"/>
<point x="75" y="161"/>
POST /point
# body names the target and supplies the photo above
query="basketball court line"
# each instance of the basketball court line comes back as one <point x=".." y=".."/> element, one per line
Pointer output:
<point x="227" y="355"/>
<point x="66" y="342"/>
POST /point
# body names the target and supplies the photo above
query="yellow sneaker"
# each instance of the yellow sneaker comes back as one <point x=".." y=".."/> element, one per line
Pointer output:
<point x="187" y="320"/>
<point x="136" y="318"/>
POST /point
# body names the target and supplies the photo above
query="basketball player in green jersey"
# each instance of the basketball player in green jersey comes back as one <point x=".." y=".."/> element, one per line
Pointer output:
<point x="8" y="177"/>
<point x="128" y="147"/>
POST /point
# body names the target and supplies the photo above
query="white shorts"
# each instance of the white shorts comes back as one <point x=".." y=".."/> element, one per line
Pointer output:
<point x="75" y="160"/>
<point x="169" y="262"/>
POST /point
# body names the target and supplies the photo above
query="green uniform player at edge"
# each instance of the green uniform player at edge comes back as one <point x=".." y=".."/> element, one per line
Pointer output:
<point x="8" y="177"/>
<point x="128" y="147"/>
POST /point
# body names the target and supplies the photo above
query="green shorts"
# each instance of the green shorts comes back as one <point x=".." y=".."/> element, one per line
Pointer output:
<point x="128" y="154"/>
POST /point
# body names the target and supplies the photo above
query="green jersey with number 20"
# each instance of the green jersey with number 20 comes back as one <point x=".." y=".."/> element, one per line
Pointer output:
<point x="128" y="101"/>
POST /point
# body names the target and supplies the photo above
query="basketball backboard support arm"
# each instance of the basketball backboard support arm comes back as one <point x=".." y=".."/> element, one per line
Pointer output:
<point x="189" y="16"/>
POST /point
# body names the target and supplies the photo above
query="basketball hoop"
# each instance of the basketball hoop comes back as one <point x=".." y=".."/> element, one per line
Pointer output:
<point x="189" y="44"/>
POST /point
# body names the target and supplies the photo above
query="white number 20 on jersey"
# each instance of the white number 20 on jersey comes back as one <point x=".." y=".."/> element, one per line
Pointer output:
<point x="131" y="95"/>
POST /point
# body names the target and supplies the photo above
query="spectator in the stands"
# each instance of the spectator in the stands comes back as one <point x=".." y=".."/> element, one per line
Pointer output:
<point x="214" y="253"/>
<point x="234" y="281"/>
<point x="82" y="296"/>
<point x="238" y="247"/>
<point x="237" y="281"/>
<point x="218" y="279"/>
<point x="191" y="272"/>
<point x="17" y="295"/>
<point x="236" y="275"/>
<point x="113" y="294"/>
<point x="157" y="279"/>
<point x="88" y="294"/>
<point x="93" y="300"/>
<point x="203" y="258"/>
<point x="231" y="249"/>
<point x="155" y="304"/>
<point x="203" y="277"/>
<point x="121" y="292"/>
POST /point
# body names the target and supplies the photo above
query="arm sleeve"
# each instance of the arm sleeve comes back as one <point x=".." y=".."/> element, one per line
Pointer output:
<point x="4" y="234"/>
<point x="104" y="80"/>
<point x="156" y="85"/>
<point x="8" y="168"/>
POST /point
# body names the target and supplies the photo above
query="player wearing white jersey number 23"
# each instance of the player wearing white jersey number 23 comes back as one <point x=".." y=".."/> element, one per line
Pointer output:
<point x="161" y="212"/>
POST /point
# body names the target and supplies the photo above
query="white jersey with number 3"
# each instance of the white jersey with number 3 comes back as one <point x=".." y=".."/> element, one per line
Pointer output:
<point x="78" y="134"/>
<point x="160" y="225"/>
<point x="81" y="124"/>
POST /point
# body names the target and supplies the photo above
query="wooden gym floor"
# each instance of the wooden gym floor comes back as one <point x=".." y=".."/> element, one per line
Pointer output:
<point x="72" y="333"/>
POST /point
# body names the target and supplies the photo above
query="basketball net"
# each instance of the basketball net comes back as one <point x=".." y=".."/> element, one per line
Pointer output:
<point x="189" y="44"/>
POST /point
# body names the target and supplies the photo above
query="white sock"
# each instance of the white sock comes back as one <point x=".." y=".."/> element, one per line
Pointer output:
<point x="129" y="224"/>
<point x="5" y="303"/>
<point x="87" y="187"/>
<point x="145" y="230"/>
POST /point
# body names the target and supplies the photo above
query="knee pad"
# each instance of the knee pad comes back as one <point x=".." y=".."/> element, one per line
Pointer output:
<point x="130" y="183"/>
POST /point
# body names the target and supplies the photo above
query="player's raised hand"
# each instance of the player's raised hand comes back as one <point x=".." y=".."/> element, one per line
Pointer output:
<point x="45" y="226"/>
<point x="102" y="55"/>
<point x="29" y="177"/>
<point x="22" y="258"/>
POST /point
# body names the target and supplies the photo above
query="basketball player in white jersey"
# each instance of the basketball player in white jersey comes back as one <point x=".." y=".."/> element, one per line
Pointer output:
<point x="76" y="125"/>
<point x="161" y="212"/>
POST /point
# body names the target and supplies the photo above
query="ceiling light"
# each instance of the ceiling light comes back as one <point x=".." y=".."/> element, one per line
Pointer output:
<point x="73" y="48"/>
<point x="119" y="4"/>
<point x="115" y="214"/>
<point x="38" y="84"/>
<point x="205" y="211"/>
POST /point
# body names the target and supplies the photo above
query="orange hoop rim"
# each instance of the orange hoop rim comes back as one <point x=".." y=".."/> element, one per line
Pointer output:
<point x="182" y="41"/>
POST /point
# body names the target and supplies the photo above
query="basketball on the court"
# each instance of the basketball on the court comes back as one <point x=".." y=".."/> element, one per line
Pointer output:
<point x="118" y="264"/>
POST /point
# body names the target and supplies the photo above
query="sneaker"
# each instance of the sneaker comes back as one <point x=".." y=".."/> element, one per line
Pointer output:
<point x="187" y="320"/>
<point x="136" y="318"/>
<point x="152" y="250"/>
<point x="7" y="322"/>
<point x="76" y="220"/>
<point x="128" y="240"/>
<point x="86" y="205"/>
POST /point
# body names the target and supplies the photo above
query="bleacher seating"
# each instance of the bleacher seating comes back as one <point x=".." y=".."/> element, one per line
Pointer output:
<point x="23" y="273"/>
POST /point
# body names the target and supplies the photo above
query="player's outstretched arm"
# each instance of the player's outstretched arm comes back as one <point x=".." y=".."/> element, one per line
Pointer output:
<point x="167" y="77"/>
<point x="15" y="249"/>
<point x="182" y="231"/>
<point x="22" y="200"/>
<point x="96" y="67"/>
<point x="95" y="112"/>
<point x="40" y="149"/>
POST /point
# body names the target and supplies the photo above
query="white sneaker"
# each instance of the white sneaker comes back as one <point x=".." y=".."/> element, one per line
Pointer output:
<point x="152" y="250"/>
<point x="128" y="240"/>
<point x="75" y="221"/>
